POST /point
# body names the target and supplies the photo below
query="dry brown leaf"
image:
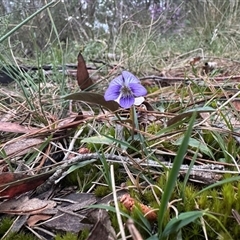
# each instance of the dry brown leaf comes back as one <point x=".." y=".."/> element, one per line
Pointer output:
<point x="24" y="205"/>
<point x="84" y="81"/>
<point x="236" y="104"/>
<point x="15" y="128"/>
<point x="32" y="220"/>
<point x="13" y="184"/>
<point x="8" y="116"/>
<point x="103" y="228"/>
<point x="22" y="146"/>
<point x="72" y="121"/>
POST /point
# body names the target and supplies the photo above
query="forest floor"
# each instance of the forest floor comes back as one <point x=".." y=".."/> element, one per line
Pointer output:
<point x="75" y="166"/>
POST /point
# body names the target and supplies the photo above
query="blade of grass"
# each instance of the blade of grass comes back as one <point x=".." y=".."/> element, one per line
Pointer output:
<point x="222" y="226"/>
<point x="170" y="185"/>
<point x="135" y="125"/>
<point x="26" y="20"/>
<point x="106" y="170"/>
<point x="227" y="180"/>
<point x="182" y="193"/>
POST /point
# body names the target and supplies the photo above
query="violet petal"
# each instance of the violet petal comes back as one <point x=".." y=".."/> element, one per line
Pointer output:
<point x="137" y="89"/>
<point x="117" y="81"/>
<point x="112" y="93"/>
<point x="126" y="101"/>
<point x="129" y="78"/>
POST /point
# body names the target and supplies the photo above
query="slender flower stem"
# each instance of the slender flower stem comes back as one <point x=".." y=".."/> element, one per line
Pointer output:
<point x="132" y="117"/>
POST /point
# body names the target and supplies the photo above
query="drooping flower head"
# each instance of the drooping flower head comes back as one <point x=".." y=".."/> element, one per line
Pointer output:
<point x="126" y="89"/>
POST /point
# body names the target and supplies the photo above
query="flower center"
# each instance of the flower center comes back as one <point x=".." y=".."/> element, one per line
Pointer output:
<point x="126" y="91"/>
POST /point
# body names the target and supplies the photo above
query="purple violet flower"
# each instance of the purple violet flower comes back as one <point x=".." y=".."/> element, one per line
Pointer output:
<point x="126" y="90"/>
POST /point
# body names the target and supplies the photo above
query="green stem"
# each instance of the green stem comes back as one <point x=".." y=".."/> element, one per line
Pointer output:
<point x="132" y="117"/>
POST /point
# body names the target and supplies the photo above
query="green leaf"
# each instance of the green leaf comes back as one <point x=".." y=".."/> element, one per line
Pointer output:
<point x="179" y="222"/>
<point x="222" y="226"/>
<point x="143" y="218"/>
<point x="98" y="140"/>
<point x="80" y="165"/>
<point x="194" y="143"/>
<point x="93" y="98"/>
<point x="154" y="237"/>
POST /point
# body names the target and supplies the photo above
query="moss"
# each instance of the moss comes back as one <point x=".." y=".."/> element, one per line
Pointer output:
<point x="203" y="200"/>
<point x="113" y="218"/>
<point x="120" y="175"/>
<point x="101" y="191"/>
<point x="220" y="202"/>
<point x="152" y="89"/>
<point x="83" y="234"/>
<point x="153" y="128"/>
<point x="21" y="236"/>
<point x="5" y="224"/>
<point x="67" y="236"/>
<point x="81" y="177"/>
<point x="228" y="194"/>
<point x="193" y="231"/>
<point x="148" y="196"/>
<point x="188" y="203"/>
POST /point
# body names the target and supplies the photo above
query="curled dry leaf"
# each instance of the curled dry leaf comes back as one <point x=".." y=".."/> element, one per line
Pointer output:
<point x="32" y="220"/>
<point x="84" y="81"/>
<point x="13" y="184"/>
<point x="130" y="203"/>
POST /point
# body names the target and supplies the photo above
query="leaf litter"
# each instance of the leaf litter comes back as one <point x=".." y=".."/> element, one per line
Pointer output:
<point x="48" y="206"/>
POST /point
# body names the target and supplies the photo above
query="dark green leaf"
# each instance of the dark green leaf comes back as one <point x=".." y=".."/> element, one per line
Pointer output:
<point x="182" y="220"/>
<point x="93" y="98"/>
